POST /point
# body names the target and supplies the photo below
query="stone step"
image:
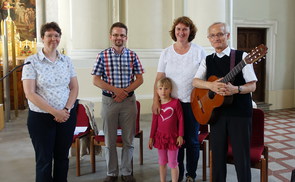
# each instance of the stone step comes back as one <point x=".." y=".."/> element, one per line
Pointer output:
<point x="263" y="106"/>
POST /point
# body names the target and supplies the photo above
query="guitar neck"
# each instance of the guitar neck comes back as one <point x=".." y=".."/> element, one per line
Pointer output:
<point x="228" y="77"/>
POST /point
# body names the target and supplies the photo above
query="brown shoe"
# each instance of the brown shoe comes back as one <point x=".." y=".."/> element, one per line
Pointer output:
<point x="128" y="178"/>
<point x="111" y="179"/>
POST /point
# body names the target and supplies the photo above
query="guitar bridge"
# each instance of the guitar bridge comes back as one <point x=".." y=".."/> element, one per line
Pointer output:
<point x="200" y="104"/>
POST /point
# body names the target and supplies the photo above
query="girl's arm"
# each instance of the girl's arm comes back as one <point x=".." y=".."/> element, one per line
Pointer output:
<point x="151" y="143"/>
<point x="179" y="141"/>
<point x="153" y="130"/>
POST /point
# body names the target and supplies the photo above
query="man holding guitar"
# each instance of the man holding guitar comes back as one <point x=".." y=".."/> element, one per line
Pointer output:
<point x="233" y="120"/>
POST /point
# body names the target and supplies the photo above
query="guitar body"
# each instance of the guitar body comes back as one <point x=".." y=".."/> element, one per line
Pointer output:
<point x="204" y="101"/>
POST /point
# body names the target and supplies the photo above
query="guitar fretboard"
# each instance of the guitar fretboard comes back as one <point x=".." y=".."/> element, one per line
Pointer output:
<point x="228" y="77"/>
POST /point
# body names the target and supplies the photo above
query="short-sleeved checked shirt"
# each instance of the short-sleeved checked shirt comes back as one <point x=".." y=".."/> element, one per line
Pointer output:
<point x="117" y="70"/>
<point x="52" y="79"/>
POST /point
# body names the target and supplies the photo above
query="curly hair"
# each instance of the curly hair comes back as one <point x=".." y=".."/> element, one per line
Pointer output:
<point x="186" y="21"/>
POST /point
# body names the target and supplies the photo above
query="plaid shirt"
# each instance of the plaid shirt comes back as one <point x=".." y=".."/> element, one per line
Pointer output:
<point x="117" y="70"/>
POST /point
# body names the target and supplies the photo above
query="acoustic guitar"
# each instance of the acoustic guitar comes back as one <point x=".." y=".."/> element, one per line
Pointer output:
<point x="204" y="101"/>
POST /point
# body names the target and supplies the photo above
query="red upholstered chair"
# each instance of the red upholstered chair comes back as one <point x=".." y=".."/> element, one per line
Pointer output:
<point x="98" y="140"/>
<point x="258" y="151"/>
<point x="203" y="136"/>
<point x="82" y="121"/>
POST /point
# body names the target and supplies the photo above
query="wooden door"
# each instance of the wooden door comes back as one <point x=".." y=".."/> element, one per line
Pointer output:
<point x="249" y="38"/>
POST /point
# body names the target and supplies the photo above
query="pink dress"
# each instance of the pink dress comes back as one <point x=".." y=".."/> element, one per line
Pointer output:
<point x="167" y="125"/>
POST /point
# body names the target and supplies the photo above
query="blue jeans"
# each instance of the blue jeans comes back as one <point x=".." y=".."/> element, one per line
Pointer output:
<point x="51" y="141"/>
<point x="192" y="146"/>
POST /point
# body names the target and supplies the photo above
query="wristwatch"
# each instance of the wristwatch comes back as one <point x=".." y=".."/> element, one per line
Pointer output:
<point x="69" y="110"/>
<point x="240" y="89"/>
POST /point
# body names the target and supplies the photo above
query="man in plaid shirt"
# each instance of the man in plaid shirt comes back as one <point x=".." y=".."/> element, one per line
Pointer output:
<point x="118" y="72"/>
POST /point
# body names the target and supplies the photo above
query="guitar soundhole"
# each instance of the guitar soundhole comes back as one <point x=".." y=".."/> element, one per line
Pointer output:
<point x="211" y="94"/>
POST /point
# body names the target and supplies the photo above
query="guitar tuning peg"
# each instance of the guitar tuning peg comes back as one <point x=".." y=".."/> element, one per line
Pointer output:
<point x="256" y="63"/>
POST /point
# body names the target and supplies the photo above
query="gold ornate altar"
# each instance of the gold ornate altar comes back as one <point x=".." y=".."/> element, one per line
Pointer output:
<point x="13" y="52"/>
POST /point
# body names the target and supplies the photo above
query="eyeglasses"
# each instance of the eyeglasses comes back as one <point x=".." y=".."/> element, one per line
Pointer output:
<point x="218" y="35"/>
<point x="57" y="36"/>
<point x="119" y="35"/>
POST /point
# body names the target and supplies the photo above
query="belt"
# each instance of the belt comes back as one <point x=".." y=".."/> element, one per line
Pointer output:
<point x="111" y="95"/>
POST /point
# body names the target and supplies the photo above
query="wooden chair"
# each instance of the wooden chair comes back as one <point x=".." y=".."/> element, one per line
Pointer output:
<point x="203" y="136"/>
<point x="82" y="121"/>
<point x="99" y="141"/>
<point x="258" y="151"/>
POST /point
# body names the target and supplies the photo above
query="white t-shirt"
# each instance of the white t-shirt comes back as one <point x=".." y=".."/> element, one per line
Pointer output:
<point x="181" y="69"/>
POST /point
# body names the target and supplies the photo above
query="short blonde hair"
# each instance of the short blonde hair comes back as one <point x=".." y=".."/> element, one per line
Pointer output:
<point x="165" y="81"/>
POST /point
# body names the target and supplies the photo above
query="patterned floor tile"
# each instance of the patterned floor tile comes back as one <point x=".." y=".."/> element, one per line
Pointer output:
<point x="268" y="133"/>
<point x="267" y="140"/>
<point x="282" y="120"/>
<point x="291" y="130"/>
<point x="277" y="155"/>
<point x="278" y="145"/>
<point x="282" y="126"/>
<point x="291" y="143"/>
<point x="281" y="131"/>
<point x="286" y="175"/>
<point x="291" y="152"/>
<point x="280" y="137"/>
<point x="290" y="162"/>
<point x="275" y="166"/>
<point x="273" y="179"/>
<point x="292" y="136"/>
<point x="292" y="124"/>
<point x="271" y="122"/>
<point x="269" y="127"/>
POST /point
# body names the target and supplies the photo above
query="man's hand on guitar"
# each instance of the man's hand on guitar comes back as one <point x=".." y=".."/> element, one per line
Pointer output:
<point x="218" y="87"/>
<point x="230" y="89"/>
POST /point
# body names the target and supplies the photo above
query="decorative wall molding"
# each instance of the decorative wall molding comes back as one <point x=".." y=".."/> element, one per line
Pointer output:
<point x="271" y="27"/>
<point x="84" y="58"/>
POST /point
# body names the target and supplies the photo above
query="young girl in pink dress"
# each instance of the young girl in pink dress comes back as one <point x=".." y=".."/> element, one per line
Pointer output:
<point x="167" y="130"/>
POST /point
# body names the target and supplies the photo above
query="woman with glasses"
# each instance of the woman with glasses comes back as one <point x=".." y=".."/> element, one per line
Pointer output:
<point x="51" y="87"/>
<point x="180" y="62"/>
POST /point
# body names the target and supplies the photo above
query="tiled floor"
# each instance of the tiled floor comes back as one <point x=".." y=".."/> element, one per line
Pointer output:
<point x="17" y="155"/>
<point x="280" y="138"/>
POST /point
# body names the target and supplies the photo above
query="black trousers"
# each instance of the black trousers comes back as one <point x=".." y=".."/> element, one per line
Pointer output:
<point x="238" y="130"/>
<point x="51" y="141"/>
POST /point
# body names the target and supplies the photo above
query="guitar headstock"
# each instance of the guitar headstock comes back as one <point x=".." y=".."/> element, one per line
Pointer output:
<point x="256" y="54"/>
